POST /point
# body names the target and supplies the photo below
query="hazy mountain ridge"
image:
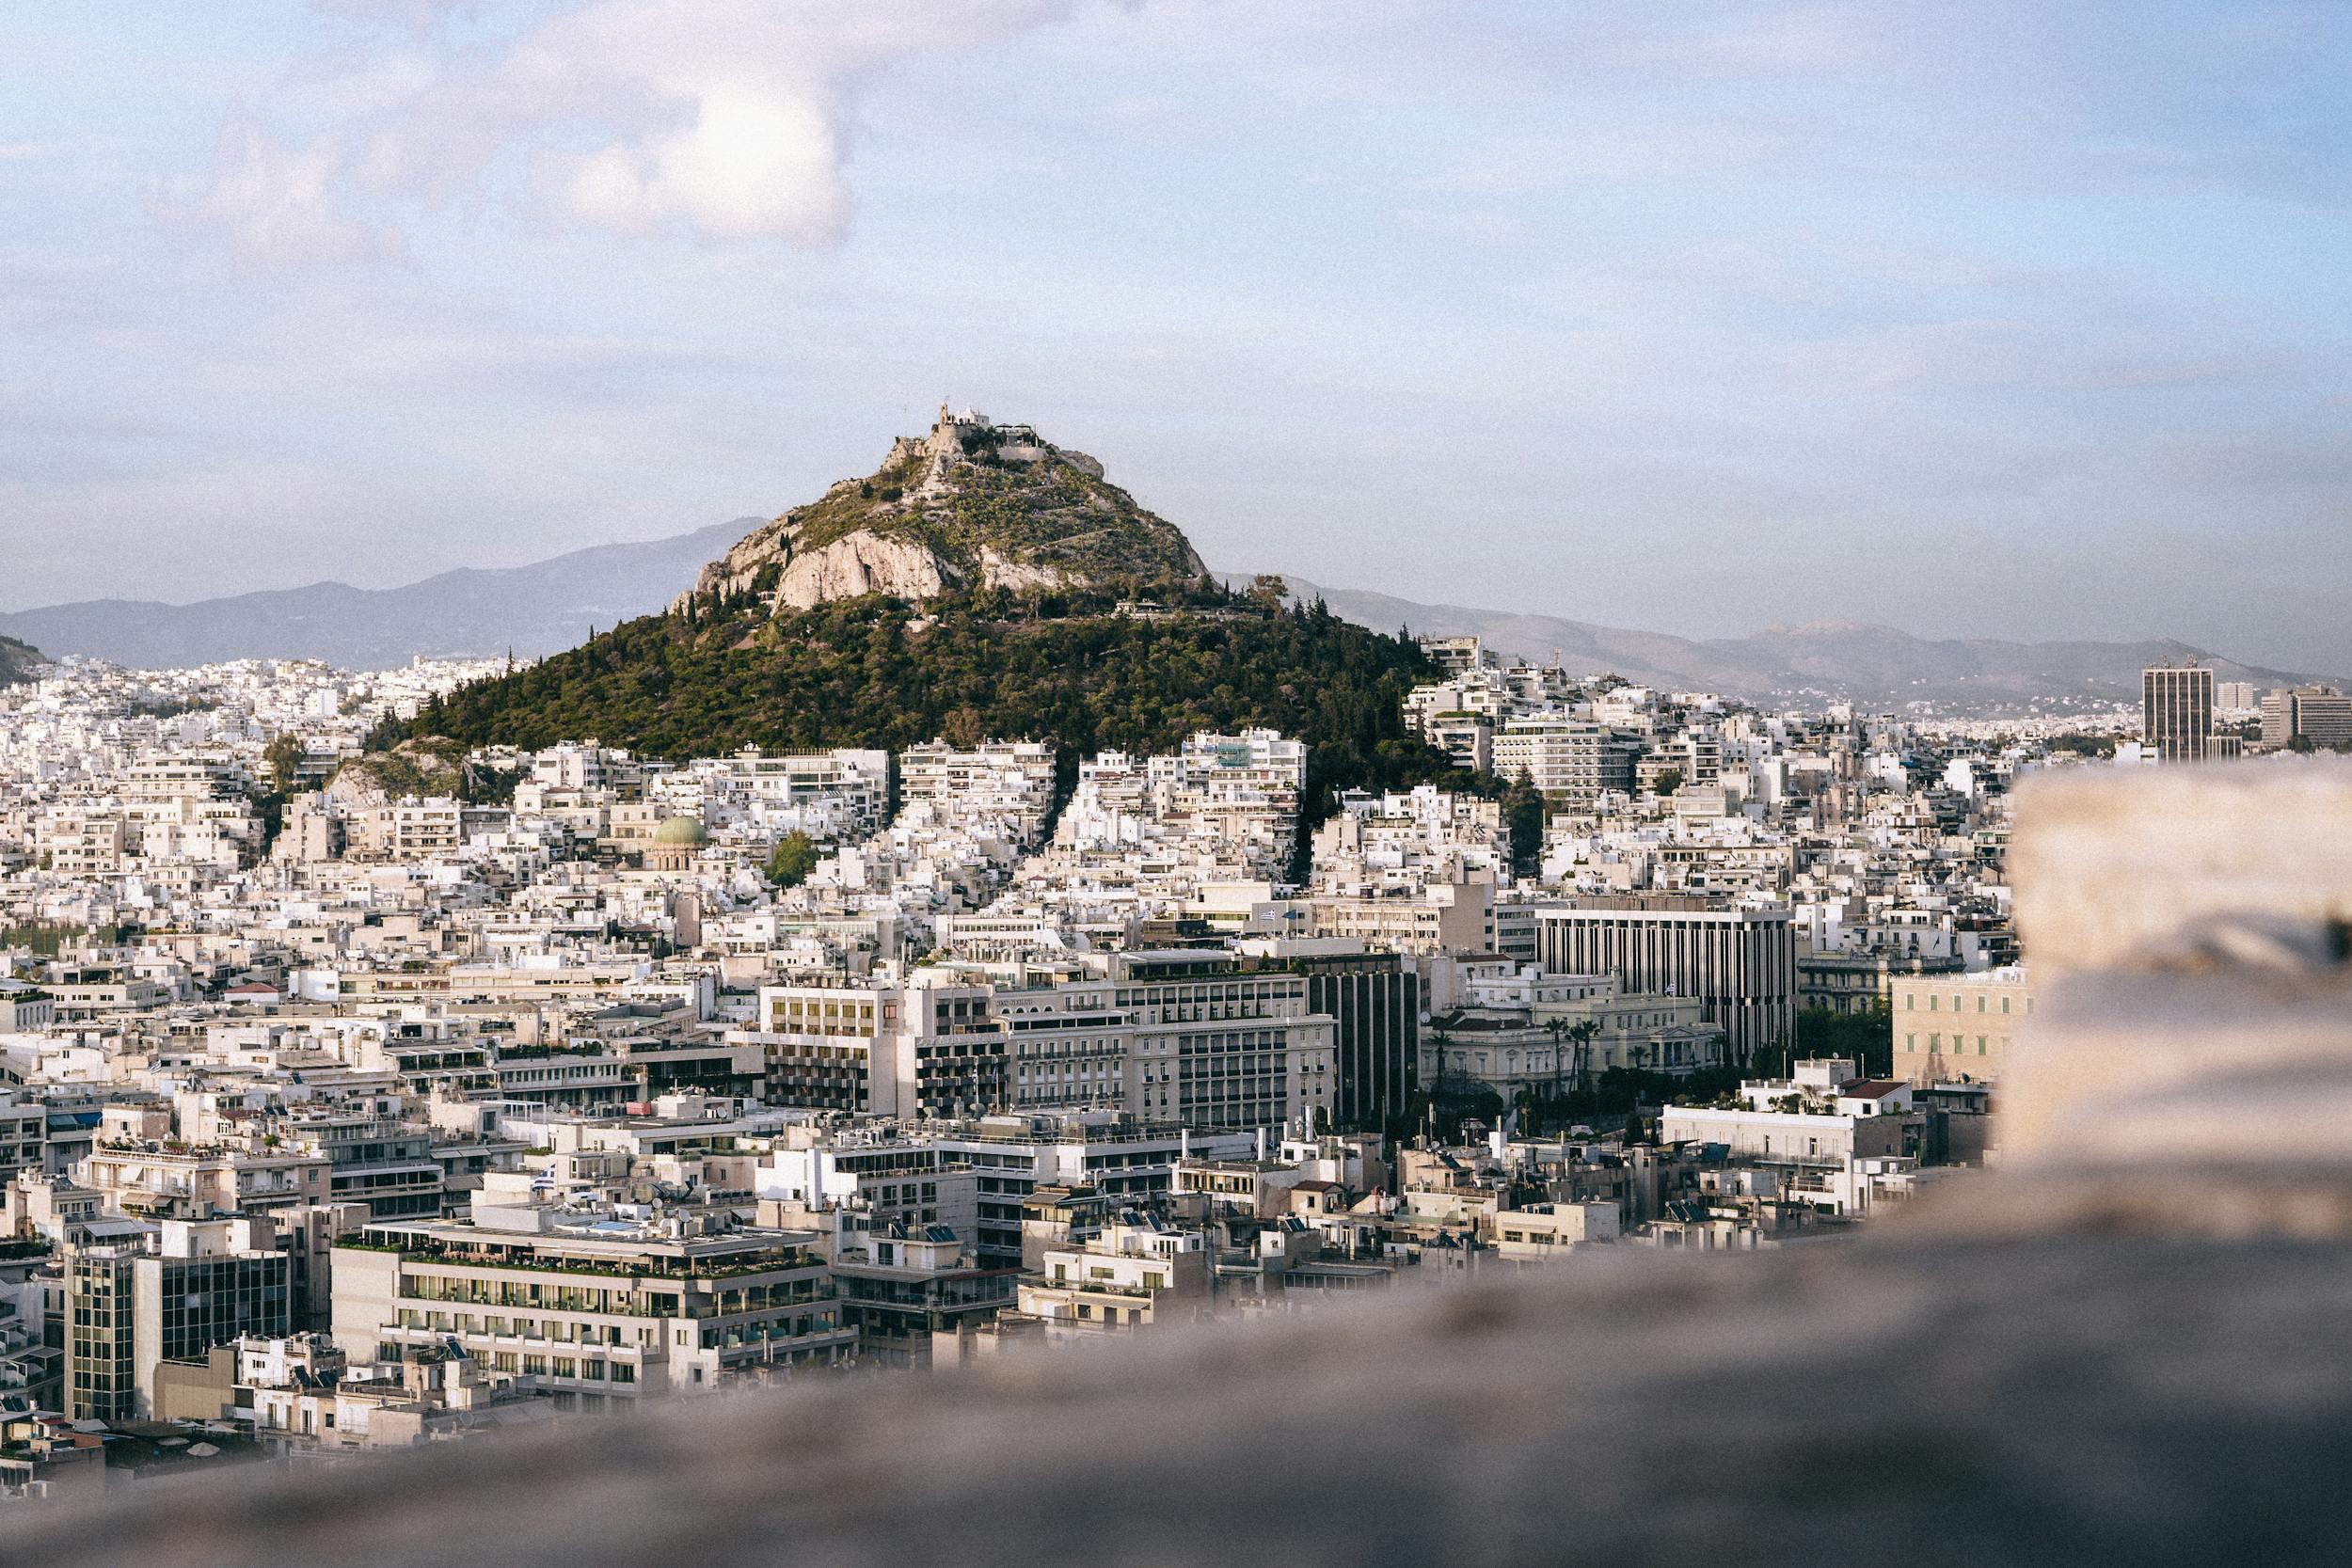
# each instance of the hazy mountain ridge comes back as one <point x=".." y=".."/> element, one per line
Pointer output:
<point x="1861" y="660"/>
<point x="470" y="613"/>
<point x="549" y="606"/>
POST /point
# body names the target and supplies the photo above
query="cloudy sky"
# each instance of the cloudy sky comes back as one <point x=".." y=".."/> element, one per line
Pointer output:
<point x="2017" y="320"/>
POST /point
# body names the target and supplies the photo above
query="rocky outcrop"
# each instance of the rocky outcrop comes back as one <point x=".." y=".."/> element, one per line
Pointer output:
<point x="428" y="766"/>
<point x="859" y="563"/>
<point x="972" y="505"/>
<point x="998" y="571"/>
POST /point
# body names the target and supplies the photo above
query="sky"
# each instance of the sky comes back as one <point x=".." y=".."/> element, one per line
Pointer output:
<point x="2014" y="319"/>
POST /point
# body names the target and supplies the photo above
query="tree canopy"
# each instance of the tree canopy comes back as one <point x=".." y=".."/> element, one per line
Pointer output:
<point x="1067" y="668"/>
<point x="794" y="858"/>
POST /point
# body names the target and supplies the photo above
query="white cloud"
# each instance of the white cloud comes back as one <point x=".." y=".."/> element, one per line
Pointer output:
<point x="728" y="119"/>
<point x="275" y="203"/>
<point x="749" y="167"/>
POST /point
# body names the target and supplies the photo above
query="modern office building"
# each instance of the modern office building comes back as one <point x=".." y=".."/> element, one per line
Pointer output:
<point x="2176" y="712"/>
<point x="128" y="1308"/>
<point x="2318" y="716"/>
<point x="1740" y="964"/>
<point x="1374" y="1001"/>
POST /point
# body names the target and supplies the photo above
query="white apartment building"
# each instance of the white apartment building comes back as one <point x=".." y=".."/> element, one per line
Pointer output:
<point x="1573" y="761"/>
<point x="593" y="1304"/>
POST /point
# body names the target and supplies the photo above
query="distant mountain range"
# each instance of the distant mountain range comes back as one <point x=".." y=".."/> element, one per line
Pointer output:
<point x="537" y="610"/>
<point x="550" y="605"/>
<point x="1865" y="663"/>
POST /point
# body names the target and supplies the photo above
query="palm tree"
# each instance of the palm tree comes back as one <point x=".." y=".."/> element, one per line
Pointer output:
<point x="1559" y="1029"/>
<point x="1438" y="1041"/>
<point x="1583" y="1035"/>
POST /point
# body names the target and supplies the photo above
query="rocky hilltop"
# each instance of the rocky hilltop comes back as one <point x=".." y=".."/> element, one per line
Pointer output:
<point x="972" y="505"/>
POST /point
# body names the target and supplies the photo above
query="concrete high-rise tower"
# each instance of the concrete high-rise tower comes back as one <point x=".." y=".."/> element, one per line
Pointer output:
<point x="2176" y="712"/>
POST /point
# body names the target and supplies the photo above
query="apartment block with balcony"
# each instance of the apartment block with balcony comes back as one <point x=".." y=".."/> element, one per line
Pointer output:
<point x="1136" y="1272"/>
<point x="593" y="1304"/>
<point x="1573" y="761"/>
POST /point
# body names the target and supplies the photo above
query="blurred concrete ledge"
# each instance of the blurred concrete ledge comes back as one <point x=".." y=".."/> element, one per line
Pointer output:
<point x="2124" y="1345"/>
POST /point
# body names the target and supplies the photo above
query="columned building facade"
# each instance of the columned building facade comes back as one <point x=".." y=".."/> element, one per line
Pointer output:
<point x="1740" y="963"/>
<point x="2176" y="712"/>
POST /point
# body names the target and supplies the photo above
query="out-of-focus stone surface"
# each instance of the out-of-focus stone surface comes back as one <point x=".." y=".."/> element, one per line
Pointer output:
<point x="2184" y="926"/>
<point x="2226" y="1067"/>
<point x="1915" y="1399"/>
<point x="2111" y="864"/>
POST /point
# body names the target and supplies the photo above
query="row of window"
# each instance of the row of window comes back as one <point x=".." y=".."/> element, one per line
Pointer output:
<point x="1935" y="1043"/>
<point x="1911" y="1003"/>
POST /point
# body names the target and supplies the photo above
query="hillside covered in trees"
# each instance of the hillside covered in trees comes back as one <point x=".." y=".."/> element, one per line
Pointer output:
<point x="1073" y="669"/>
<point x="18" y="660"/>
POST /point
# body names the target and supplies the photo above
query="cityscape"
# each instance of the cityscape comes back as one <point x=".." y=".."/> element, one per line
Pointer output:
<point x="951" y="1019"/>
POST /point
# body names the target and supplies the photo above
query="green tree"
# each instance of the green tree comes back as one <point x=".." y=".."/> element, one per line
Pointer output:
<point x="794" y="858"/>
<point x="283" y="758"/>
<point x="963" y="728"/>
<point x="1559" y="1029"/>
<point x="1866" y="1039"/>
<point x="1063" y="668"/>
<point x="1523" y="816"/>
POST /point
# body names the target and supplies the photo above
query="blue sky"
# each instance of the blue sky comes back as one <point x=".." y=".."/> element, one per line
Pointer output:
<point x="2006" y="320"/>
